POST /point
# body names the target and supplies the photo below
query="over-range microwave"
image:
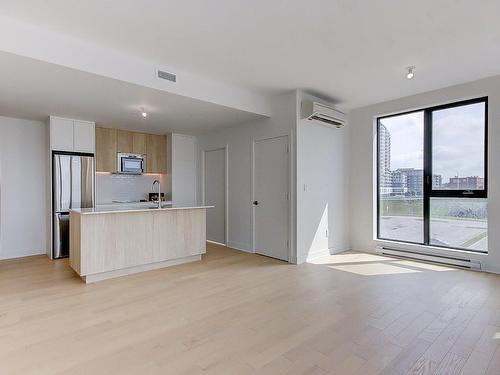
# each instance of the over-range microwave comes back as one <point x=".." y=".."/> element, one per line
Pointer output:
<point x="131" y="163"/>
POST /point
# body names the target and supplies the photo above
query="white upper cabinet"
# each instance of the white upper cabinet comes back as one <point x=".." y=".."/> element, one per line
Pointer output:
<point x="61" y="134"/>
<point x="84" y="136"/>
<point x="72" y="135"/>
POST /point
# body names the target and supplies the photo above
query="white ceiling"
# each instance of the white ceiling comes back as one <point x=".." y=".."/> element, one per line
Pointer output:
<point x="33" y="89"/>
<point x="353" y="51"/>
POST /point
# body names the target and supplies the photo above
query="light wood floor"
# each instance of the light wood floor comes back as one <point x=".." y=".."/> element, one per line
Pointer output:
<point x="237" y="313"/>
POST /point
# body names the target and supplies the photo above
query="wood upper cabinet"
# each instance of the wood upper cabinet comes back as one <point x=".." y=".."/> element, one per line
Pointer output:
<point x="106" y="149"/>
<point x="131" y="142"/>
<point x="156" y="151"/>
<point x="139" y="143"/>
<point x="111" y="141"/>
<point x="124" y="141"/>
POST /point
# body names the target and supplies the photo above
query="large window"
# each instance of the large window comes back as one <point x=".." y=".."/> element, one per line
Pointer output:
<point x="432" y="181"/>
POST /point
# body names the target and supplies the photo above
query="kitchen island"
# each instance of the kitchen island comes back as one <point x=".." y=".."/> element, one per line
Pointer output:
<point x="107" y="243"/>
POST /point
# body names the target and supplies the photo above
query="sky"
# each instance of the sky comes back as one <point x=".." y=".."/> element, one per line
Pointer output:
<point x="458" y="141"/>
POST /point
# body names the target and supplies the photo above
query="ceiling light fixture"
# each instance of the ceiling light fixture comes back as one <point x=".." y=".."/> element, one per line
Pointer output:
<point x="144" y="114"/>
<point x="411" y="72"/>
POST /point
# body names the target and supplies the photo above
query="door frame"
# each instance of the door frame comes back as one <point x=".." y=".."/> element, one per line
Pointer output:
<point x="226" y="186"/>
<point x="290" y="200"/>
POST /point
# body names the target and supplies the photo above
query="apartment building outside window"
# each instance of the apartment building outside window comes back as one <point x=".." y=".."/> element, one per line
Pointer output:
<point x="432" y="176"/>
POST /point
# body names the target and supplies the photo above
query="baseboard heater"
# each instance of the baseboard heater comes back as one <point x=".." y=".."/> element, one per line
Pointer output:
<point x="439" y="259"/>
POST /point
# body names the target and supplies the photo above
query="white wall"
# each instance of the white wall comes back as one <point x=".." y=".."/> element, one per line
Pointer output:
<point x="319" y="160"/>
<point x="322" y="187"/>
<point x="239" y="140"/>
<point x="362" y="163"/>
<point x="23" y="187"/>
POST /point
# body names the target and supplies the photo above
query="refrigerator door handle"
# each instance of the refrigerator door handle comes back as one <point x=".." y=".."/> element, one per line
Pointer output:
<point x="71" y="182"/>
<point x="86" y="182"/>
<point x="58" y="184"/>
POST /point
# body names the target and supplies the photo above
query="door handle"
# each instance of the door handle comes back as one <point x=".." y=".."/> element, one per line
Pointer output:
<point x="255" y="203"/>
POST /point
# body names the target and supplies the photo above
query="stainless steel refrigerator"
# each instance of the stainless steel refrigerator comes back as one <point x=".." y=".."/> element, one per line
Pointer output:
<point x="72" y="187"/>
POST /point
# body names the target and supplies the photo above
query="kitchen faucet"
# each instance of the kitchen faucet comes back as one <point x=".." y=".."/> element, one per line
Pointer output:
<point x="159" y="191"/>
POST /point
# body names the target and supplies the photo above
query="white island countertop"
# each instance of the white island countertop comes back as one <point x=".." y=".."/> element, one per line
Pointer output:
<point x="152" y="208"/>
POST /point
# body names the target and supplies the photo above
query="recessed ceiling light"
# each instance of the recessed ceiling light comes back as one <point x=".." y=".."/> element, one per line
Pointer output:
<point x="143" y="113"/>
<point x="411" y="72"/>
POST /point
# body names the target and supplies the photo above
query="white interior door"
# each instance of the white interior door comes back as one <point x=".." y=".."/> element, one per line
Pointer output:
<point x="215" y="194"/>
<point x="271" y="197"/>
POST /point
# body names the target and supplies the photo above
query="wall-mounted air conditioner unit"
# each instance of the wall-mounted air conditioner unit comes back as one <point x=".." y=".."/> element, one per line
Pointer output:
<point x="323" y="114"/>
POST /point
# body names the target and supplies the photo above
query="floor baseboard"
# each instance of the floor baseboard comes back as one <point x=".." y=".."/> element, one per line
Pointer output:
<point x="239" y="246"/>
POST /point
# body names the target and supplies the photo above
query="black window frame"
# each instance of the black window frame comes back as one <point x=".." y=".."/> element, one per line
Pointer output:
<point x="429" y="192"/>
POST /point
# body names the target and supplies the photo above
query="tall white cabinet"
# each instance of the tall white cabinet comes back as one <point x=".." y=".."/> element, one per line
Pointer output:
<point x="184" y="182"/>
<point x="71" y="135"/>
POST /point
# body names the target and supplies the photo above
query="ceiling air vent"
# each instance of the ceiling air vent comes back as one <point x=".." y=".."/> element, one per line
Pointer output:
<point x="166" y="75"/>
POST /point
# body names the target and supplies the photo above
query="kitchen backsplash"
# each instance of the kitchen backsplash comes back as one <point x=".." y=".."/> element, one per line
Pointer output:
<point x="116" y="187"/>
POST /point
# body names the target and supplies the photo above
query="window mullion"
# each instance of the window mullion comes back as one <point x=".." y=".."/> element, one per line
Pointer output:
<point x="427" y="173"/>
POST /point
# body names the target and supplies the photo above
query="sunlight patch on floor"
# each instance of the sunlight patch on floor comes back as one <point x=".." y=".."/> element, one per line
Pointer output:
<point x="372" y="269"/>
<point x="349" y="258"/>
<point x="374" y="264"/>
